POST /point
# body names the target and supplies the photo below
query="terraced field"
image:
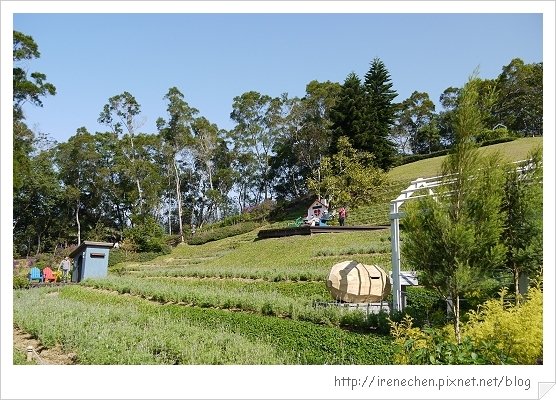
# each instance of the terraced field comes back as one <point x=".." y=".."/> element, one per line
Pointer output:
<point x="237" y="300"/>
<point x="234" y="301"/>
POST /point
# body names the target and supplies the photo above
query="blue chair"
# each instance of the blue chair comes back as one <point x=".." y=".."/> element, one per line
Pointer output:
<point x="35" y="274"/>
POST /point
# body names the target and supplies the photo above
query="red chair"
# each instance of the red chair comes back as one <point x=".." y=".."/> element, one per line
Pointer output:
<point x="48" y="275"/>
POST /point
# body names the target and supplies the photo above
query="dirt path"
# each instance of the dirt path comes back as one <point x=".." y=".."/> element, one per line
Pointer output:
<point x="41" y="354"/>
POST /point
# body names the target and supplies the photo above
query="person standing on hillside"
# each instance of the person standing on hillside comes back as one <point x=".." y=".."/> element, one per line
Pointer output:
<point x="65" y="266"/>
<point x="342" y="215"/>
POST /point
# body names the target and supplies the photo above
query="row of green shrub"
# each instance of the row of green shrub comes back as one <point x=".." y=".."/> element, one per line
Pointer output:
<point x="217" y="233"/>
<point x="119" y="256"/>
<point x="488" y="141"/>
<point x="106" y="328"/>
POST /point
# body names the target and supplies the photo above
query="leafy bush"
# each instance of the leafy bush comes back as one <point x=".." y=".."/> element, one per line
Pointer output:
<point x="489" y="135"/>
<point x="432" y="347"/>
<point x="381" y="321"/>
<point x="148" y="236"/>
<point x="172" y="240"/>
<point x="260" y="211"/>
<point x="118" y="256"/>
<point x="498" y="333"/>
<point x="425" y="306"/>
<point x="20" y="282"/>
<point x="514" y="330"/>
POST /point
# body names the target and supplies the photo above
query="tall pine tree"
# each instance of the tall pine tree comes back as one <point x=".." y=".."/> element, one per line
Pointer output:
<point x="379" y="115"/>
<point x="365" y="112"/>
<point x="348" y="113"/>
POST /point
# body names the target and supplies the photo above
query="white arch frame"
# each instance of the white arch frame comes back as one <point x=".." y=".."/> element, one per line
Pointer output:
<point x="418" y="185"/>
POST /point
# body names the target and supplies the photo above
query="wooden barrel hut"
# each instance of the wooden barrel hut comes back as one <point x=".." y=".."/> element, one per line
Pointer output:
<point x="353" y="282"/>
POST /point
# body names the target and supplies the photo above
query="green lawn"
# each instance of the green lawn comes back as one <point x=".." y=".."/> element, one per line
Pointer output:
<point x="511" y="151"/>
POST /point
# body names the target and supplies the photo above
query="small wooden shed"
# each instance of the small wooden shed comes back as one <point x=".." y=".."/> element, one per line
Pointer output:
<point x="90" y="260"/>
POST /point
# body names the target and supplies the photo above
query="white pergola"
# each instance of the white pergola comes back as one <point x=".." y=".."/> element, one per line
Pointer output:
<point x="419" y="188"/>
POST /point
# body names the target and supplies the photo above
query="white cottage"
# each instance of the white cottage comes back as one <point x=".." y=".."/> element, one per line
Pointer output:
<point x="317" y="210"/>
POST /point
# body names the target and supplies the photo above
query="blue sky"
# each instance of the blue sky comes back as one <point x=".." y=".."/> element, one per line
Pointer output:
<point x="212" y="58"/>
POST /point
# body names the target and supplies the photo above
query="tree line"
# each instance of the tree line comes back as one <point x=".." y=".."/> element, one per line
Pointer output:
<point x="103" y="185"/>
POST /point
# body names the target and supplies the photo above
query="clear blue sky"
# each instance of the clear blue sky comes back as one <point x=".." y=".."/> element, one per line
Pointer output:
<point x="212" y="58"/>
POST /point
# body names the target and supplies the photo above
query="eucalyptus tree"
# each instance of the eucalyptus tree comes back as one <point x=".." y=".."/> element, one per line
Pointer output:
<point x="520" y="98"/>
<point x="121" y="115"/>
<point x="415" y="126"/>
<point x="149" y="172"/>
<point x="177" y="135"/>
<point x="259" y="120"/>
<point x="206" y="138"/>
<point x="306" y="138"/>
<point x="116" y="184"/>
<point x="77" y="161"/>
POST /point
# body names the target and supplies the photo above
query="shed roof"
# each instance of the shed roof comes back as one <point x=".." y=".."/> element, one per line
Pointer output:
<point x="322" y="202"/>
<point x="88" y="243"/>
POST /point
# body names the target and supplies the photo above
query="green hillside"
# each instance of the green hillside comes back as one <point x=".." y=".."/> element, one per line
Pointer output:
<point x="511" y="151"/>
<point x="402" y="176"/>
<point x="232" y="301"/>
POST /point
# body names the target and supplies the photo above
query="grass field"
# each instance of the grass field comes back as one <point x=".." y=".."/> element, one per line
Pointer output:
<point x="510" y="151"/>
<point x="238" y="300"/>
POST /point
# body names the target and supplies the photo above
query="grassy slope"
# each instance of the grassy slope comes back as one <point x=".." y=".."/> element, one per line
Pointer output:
<point x="512" y="151"/>
<point x="402" y="176"/>
<point x="291" y="258"/>
<point x="302" y="256"/>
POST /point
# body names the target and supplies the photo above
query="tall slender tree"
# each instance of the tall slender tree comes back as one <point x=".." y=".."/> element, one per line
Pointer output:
<point x="77" y="160"/>
<point x="121" y="112"/>
<point x="380" y="115"/>
<point x="523" y="227"/>
<point x="454" y="238"/>
<point x="177" y="134"/>
<point x="259" y="120"/>
<point x="27" y="88"/>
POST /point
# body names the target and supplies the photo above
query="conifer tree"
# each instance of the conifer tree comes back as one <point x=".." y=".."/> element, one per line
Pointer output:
<point x="348" y="113"/>
<point x="379" y="114"/>
<point x="365" y="112"/>
<point x="454" y="238"/>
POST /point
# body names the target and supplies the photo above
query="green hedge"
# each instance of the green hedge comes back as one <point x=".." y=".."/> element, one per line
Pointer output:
<point x="418" y="157"/>
<point x="202" y="237"/>
<point x="118" y="256"/>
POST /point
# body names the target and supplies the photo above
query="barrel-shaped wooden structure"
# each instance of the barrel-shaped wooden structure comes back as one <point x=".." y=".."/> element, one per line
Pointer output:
<point x="353" y="282"/>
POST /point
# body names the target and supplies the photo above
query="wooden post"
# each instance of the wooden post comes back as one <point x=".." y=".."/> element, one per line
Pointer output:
<point x="29" y="353"/>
